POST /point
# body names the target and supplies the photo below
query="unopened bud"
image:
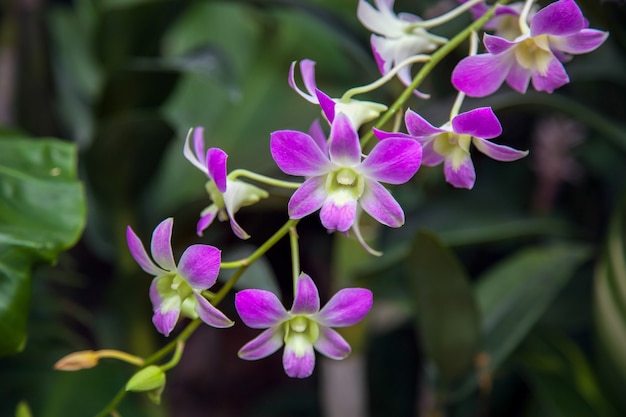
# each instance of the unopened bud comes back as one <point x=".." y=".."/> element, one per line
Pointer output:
<point x="147" y="379"/>
<point x="83" y="359"/>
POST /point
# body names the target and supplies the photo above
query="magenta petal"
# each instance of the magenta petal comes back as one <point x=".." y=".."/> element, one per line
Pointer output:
<point x="430" y="157"/>
<point x="216" y="163"/>
<point x="378" y="203"/>
<point x="497" y="45"/>
<point x="236" y="228"/>
<point x="260" y="309"/>
<point x="161" y="245"/>
<point x="307" y="69"/>
<point x="463" y="177"/>
<point x="308" y="198"/>
<point x="307" y="299"/>
<point x="580" y="43"/>
<point x="498" y="152"/>
<point x="555" y="77"/>
<point x="296" y="153"/>
<point x="327" y="105"/>
<point x="299" y="365"/>
<point x="336" y="217"/>
<point x="394" y="160"/>
<point x="209" y="314"/>
<point x="480" y="122"/>
<point x="206" y="220"/>
<point x="331" y="344"/>
<point x="346" y="308"/>
<point x="316" y="132"/>
<point x="381" y="134"/>
<point x="418" y="126"/>
<point x="519" y="78"/>
<point x="562" y="17"/>
<point x="481" y="75"/>
<point x="138" y="252"/>
<point x="199" y="265"/>
<point x="165" y="320"/>
<point x="268" y="342"/>
<point x="344" y="147"/>
<point x="195" y="155"/>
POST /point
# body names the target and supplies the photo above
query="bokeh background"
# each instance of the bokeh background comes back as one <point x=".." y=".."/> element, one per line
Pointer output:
<point x="506" y="300"/>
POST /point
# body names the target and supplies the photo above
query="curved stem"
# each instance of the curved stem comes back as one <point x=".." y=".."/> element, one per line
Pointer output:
<point x="264" y="179"/>
<point x="523" y="16"/>
<point x="439" y="20"/>
<point x="429" y="66"/>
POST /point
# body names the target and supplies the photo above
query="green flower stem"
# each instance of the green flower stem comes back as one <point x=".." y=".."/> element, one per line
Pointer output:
<point x="435" y="58"/>
<point x="269" y="243"/>
<point x="123" y="356"/>
<point x="295" y="257"/>
<point x="178" y="353"/>
<point x="384" y="79"/>
<point x="446" y="17"/>
<point x="233" y="264"/>
<point x="263" y="179"/>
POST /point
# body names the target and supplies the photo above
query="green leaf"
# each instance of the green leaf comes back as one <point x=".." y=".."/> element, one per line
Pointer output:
<point x="42" y="212"/>
<point x="610" y="299"/>
<point x="447" y="314"/>
<point x="514" y="294"/>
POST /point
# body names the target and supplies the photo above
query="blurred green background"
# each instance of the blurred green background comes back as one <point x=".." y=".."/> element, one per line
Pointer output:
<point x="506" y="300"/>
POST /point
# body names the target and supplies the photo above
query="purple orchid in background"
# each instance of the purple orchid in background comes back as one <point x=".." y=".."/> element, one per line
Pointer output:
<point x="177" y="289"/>
<point x="303" y="328"/>
<point x="505" y="21"/>
<point x="450" y="143"/>
<point x="228" y="196"/>
<point x="337" y="179"/>
<point x="358" y="111"/>
<point x="555" y="33"/>
<point x="396" y="37"/>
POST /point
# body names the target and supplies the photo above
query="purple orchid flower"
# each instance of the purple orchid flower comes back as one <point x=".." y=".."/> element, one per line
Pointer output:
<point x="505" y="21"/>
<point x="228" y="196"/>
<point x="396" y="37"/>
<point x="303" y="328"/>
<point x="450" y="143"/>
<point x="358" y="111"/>
<point x="555" y="33"/>
<point x="338" y="180"/>
<point x="177" y="289"/>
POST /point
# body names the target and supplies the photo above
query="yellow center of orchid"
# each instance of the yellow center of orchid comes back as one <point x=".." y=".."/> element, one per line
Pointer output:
<point x="534" y="54"/>
<point x="453" y="146"/>
<point x="301" y="332"/>
<point x="345" y="185"/>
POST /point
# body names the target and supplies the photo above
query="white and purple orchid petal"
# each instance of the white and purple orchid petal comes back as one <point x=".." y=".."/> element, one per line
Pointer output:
<point x="380" y="61"/>
<point x="382" y="21"/>
<point x="518" y="78"/>
<point x="481" y="122"/>
<point x="331" y="344"/>
<point x="307" y="299"/>
<point x="165" y="321"/>
<point x="232" y="204"/>
<point x="583" y="42"/>
<point x="139" y="253"/>
<point x="260" y="309"/>
<point x="268" y="342"/>
<point x="161" y="245"/>
<point x="560" y="18"/>
<point x="206" y="219"/>
<point x="555" y="77"/>
<point x="462" y="176"/>
<point x="430" y="157"/>
<point x="307" y="69"/>
<point x="344" y="147"/>
<point x="209" y="314"/>
<point x="496" y="45"/>
<point x="338" y="216"/>
<point x="316" y="132"/>
<point x="419" y="127"/>
<point x="195" y="155"/>
<point x="216" y="163"/>
<point x="199" y="265"/>
<point x="378" y="203"/>
<point x="297" y="153"/>
<point x="346" y="308"/>
<point x="327" y="105"/>
<point x="394" y="160"/>
<point x="166" y="309"/>
<point x="308" y="198"/>
<point x="483" y="74"/>
<point x="498" y="152"/>
<point x="235" y="227"/>
<point x="298" y="357"/>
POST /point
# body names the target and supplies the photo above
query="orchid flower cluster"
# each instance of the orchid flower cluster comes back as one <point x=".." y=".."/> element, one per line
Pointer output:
<point x="344" y="175"/>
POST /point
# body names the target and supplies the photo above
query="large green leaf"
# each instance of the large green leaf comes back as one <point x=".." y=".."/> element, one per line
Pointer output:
<point x="447" y="313"/>
<point x="42" y="212"/>
<point x="514" y="294"/>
